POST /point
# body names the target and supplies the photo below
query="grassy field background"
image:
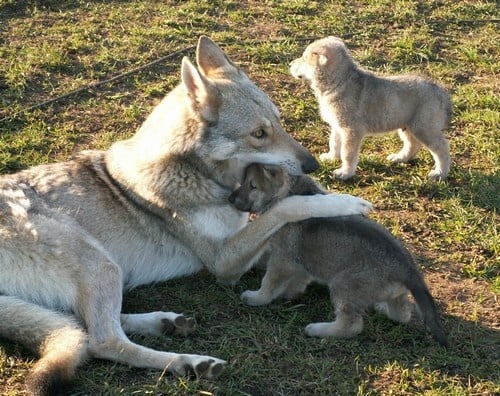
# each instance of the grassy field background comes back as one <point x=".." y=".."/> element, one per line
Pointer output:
<point x="49" y="48"/>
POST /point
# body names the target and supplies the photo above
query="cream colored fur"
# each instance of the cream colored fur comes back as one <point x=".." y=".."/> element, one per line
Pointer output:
<point x="356" y="103"/>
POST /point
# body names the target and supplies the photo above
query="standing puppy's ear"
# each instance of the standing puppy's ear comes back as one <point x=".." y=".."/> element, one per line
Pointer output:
<point x="212" y="61"/>
<point x="204" y="95"/>
<point x="323" y="60"/>
<point x="322" y="56"/>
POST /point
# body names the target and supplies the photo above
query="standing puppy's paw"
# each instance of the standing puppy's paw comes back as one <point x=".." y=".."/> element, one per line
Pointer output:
<point x="437" y="175"/>
<point x="342" y="174"/>
<point x="397" y="158"/>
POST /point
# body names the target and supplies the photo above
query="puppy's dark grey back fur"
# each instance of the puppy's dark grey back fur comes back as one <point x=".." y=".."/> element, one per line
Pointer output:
<point x="356" y="257"/>
<point x="304" y="185"/>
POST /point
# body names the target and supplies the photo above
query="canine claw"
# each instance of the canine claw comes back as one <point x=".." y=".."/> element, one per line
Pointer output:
<point x="365" y="206"/>
<point x="206" y="367"/>
<point x="210" y="369"/>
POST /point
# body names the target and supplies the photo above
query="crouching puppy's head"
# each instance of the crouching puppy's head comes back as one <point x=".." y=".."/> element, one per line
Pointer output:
<point x="262" y="187"/>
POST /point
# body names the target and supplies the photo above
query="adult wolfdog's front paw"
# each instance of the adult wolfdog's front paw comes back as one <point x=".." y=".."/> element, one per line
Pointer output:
<point x="158" y="323"/>
<point x="302" y="207"/>
<point x="345" y="204"/>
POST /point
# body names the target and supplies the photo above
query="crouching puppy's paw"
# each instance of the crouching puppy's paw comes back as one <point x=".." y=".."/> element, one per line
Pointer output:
<point x="253" y="298"/>
<point x="320" y="330"/>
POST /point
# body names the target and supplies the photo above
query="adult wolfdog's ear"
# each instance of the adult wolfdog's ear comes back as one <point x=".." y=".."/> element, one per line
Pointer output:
<point x="212" y="61"/>
<point x="204" y="95"/>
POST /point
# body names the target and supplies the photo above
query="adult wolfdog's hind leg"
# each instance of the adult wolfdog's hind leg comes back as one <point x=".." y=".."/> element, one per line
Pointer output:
<point x="100" y="303"/>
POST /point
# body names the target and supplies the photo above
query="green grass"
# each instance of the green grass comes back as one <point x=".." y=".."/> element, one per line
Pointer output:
<point x="50" y="48"/>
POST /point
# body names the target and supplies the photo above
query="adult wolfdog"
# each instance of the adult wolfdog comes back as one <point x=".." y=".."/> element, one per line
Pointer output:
<point x="74" y="235"/>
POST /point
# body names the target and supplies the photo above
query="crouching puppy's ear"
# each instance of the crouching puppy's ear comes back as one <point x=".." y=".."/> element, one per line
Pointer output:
<point x="273" y="171"/>
<point x="204" y="96"/>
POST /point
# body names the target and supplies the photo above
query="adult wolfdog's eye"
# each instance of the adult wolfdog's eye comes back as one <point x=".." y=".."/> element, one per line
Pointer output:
<point x="259" y="134"/>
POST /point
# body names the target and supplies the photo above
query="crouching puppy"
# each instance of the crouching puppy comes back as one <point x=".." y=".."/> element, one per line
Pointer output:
<point x="356" y="103"/>
<point x="363" y="265"/>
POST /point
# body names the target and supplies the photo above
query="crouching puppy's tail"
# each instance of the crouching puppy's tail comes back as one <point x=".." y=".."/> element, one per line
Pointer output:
<point x="58" y="339"/>
<point x="428" y="308"/>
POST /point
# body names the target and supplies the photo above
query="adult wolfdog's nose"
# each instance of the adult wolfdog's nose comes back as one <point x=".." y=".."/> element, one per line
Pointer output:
<point x="310" y="164"/>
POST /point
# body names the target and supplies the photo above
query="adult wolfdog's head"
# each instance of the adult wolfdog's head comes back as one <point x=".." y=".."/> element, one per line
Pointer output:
<point x="218" y="115"/>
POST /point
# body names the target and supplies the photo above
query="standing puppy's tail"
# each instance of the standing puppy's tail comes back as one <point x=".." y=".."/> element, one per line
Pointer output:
<point x="416" y="284"/>
<point x="58" y="339"/>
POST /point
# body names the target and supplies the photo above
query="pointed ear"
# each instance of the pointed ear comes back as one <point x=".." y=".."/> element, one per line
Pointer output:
<point x="204" y="95"/>
<point x="212" y="61"/>
<point x="272" y="171"/>
<point x="323" y="60"/>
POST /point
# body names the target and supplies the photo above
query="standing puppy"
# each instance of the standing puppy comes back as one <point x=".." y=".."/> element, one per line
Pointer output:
<point x="361" y="262"/>
<point x="356" y="103"/>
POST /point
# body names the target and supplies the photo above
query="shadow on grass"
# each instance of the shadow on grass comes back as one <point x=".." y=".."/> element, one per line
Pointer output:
<point x="269" y="354"/>
<point x="479" y="189"/>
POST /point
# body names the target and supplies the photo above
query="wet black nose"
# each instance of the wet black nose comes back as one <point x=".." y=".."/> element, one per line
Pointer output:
<point x="232" y="198"/>
<point x="310" y="165"/>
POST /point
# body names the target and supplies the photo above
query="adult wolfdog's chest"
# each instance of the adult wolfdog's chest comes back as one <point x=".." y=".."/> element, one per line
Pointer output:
<point x="144" y="245"/>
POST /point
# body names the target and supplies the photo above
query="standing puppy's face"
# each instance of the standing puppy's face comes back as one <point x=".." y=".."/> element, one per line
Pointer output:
<point x="262" y="185"/>
<point x="303" y="67"/>
<point x="316" y="57"/>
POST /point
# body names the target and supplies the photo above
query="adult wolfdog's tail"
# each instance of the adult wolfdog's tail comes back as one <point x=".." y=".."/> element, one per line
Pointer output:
<point x="58" y="339"/>
<point x="416" y="284"/>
